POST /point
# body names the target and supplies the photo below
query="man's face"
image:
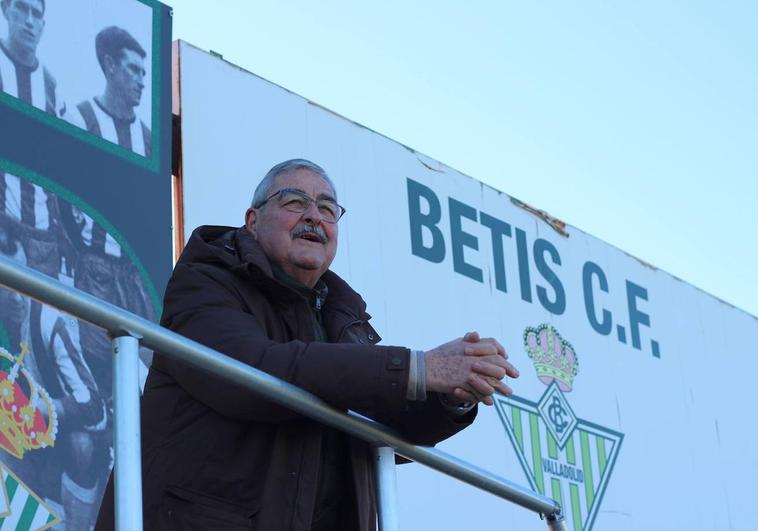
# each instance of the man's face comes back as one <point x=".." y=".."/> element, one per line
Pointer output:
<point x="126" y="73"/>
<point x="25" y="23"/>
<point x="290" y="239"/>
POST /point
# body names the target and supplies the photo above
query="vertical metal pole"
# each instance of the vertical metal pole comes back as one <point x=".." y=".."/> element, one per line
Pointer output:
<point x="386" y="488"/>
<point x="556" y="523"/>
<point x="127" y="448"/>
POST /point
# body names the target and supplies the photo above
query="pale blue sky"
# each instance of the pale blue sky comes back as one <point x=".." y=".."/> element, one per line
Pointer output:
<point x="636" y="122"/>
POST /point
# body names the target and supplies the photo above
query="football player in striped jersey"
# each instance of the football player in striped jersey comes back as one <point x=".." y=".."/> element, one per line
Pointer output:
<point x="21" y="73"/>
<point x="111" y="115"/>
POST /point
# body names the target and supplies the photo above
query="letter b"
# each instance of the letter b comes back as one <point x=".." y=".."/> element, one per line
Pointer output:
<point x="418" y="220"/>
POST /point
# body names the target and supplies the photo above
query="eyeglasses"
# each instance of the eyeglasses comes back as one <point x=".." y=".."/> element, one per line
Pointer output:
<point x="298" y="201"/>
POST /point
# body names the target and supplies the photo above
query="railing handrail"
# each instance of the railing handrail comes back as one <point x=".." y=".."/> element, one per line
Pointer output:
<point x="119" y="322"/>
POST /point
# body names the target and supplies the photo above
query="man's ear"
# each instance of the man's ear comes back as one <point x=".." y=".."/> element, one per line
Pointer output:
<point x="108" y="64"/>
<point x="251" y="219"/>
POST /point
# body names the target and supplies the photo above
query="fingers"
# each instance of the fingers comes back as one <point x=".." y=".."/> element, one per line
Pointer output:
<point x="473" y="396"/>
<point x="477" y="375"/>
<point x="489" y="369"/>
<point x="492" y="370"/>
<point x="483" y="387"/>
<point x="483" y="347"/>
<point x="499" y="349"/>
<point x="464" y="396"/>
<point x="495" y="366"/>
<point x="480" y="348"/>
<point x="502" y="388"/>
<point x="467" y="395"/>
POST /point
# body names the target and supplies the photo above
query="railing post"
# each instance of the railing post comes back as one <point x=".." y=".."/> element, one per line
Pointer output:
<point x="556" y="523"/>
<point x="126" y="443"/>
<point x="386" y="488"/>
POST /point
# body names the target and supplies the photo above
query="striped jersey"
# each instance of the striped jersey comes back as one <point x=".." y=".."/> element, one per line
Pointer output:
<point x="96" y="239"/>
<point x="130" y="134"/>
<point x="35" y="86"/>
<point x="32" y="206"/>
<point x="25" y="202"/>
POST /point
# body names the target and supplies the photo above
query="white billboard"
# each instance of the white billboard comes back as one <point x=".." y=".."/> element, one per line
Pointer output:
<point x="631" y="408"/>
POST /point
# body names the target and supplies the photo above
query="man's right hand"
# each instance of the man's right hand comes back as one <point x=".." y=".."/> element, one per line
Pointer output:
<point x="469" y="366"/>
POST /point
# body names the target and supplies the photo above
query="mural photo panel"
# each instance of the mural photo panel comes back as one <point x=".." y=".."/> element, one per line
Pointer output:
<point x="85" y="198"/>
<point x="86" y="63"/>
<point x="56" y="407"/>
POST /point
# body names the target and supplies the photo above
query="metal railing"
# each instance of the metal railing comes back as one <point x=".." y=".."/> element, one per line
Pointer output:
<point x="129" y="331"/>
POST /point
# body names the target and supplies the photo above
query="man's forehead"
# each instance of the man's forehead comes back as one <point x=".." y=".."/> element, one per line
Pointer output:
<point x="131" y="56"/>
<point x="39" y="4"/>
<point x="305" y="180"/>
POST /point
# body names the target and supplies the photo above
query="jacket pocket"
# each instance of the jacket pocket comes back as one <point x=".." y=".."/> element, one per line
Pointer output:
<point x="187" y="510"/>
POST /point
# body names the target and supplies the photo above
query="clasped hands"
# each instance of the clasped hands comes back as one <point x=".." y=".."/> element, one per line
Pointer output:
<point x="469" y="369"/>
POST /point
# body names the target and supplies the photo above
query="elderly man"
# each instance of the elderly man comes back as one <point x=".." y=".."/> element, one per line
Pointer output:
<point x="215" y="455"/>
<point x="21" y="74"/>
<point x="111" y="115"/>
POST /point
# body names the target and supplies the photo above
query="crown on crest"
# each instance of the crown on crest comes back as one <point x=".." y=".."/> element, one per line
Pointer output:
<point x="27" y="417"/>
<point x="553" y="357"/>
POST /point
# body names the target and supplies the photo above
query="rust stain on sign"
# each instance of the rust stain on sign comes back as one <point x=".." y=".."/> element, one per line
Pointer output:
<point x="557" y="225"/>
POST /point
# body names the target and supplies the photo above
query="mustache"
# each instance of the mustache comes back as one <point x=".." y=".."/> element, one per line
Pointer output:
<point x="307" y="228"/>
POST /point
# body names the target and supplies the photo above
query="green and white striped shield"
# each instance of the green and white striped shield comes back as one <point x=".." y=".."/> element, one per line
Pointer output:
<point x="576" y="474"/>
<point x="22" y="510"/>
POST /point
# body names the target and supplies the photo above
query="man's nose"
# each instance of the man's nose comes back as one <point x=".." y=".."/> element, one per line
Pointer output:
<point x="312" y="213"/>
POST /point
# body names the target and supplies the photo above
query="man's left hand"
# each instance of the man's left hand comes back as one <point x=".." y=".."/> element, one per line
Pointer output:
<point x="491" y="376"/>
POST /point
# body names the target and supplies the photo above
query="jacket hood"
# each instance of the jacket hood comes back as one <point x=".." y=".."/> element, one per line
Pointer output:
<point x="236" y="248"/>
<point x="230" y="246"/>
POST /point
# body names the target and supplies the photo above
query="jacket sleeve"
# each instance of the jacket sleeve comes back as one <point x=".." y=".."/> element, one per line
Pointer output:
<point x="424" y="422"/>
<point x="81" y="403"/>
<point x="201" y="307"/>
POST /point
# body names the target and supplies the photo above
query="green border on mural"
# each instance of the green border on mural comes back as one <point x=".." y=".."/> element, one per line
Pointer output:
<point x="64" y="193"/>
<point x="152" y="163"/>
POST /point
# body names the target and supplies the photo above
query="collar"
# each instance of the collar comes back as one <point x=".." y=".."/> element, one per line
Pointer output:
<point x="316" y="295"/>
<point x="18" y="64"/>
<point x="241" y="253"/>
<point x="118" y="119"/>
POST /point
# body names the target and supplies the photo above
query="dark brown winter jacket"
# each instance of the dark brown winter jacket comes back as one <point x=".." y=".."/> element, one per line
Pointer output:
<point x="214" y="454"/>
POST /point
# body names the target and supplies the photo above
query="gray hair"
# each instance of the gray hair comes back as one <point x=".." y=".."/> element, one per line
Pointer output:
<point x="6" y="3"/>
<point x="263" y="190"/>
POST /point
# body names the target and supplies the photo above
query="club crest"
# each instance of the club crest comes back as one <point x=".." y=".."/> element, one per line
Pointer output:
<point x="21" y="508"/>
<point x="27" y="417"/>
<point x="563" y="456"/>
